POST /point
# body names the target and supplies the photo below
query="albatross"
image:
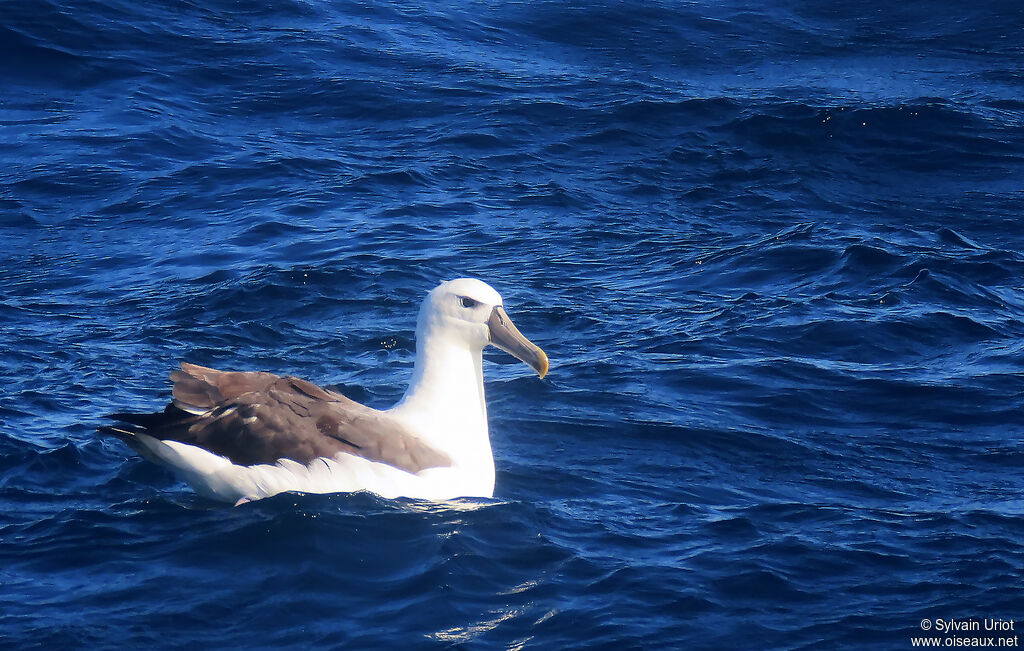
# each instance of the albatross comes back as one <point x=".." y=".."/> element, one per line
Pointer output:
<point x="242" y="436"/>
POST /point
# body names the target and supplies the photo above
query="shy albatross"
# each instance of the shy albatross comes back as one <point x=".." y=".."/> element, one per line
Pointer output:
<point x="241" y="436"/>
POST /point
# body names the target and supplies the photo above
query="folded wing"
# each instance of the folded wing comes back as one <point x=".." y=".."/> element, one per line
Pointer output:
<point x="258" y="418"/>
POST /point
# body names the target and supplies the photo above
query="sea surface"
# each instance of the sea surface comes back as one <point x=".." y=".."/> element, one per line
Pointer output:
<point x="774" y="251"/>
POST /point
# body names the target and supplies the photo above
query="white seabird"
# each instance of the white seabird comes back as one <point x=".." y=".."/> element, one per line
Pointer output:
<point x="241" y="436"/>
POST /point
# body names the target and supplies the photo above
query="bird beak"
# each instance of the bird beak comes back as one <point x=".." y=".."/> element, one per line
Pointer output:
<point x="507" y="337"/>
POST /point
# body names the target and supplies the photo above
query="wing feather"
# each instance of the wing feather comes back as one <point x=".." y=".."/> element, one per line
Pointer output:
<point x="260" y="418"/>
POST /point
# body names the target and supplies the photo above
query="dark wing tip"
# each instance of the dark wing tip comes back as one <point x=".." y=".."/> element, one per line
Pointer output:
<point x="126" y="435"/>
<point x="112" y="430"/>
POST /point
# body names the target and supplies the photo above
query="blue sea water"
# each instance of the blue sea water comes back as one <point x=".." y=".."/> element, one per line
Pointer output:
<point x="773" y="250"/>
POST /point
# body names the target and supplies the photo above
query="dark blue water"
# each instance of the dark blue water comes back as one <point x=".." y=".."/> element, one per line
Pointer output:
<point x="773" y="249"/>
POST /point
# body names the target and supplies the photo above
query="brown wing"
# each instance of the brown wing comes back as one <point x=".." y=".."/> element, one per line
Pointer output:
<point x="254" y="418"/>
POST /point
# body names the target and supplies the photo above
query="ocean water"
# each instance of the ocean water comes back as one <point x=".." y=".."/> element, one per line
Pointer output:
<point x="773" y="250"/>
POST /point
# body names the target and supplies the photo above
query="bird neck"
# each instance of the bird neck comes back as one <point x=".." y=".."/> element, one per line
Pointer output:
<point x="446" y="396"/>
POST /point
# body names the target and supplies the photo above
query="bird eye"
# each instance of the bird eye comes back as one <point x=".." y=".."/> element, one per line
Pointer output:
<point x="467" y="302"/>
